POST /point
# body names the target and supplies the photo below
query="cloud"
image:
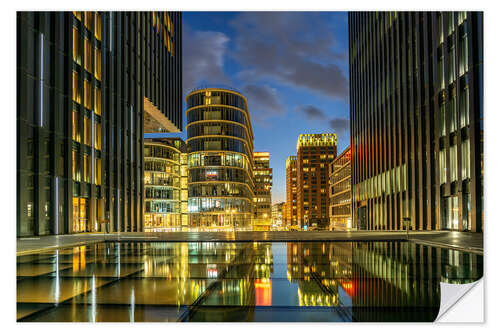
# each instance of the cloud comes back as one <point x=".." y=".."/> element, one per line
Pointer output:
<point x="297" y="49"/>
<point x="340" y="125"/>
<point x="311" y="112"/>
<point x="203" y="57"/>
<point x="263" y="101"/>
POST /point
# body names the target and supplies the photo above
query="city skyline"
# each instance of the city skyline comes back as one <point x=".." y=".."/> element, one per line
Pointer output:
<point x="280" y="104"/>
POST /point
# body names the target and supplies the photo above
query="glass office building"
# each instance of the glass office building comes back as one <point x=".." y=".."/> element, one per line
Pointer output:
<point x="88" y="85"/>
<point x="220" y="160"/>
<point x="340" y="192"/>
<point x="291" y="193"/>
<point x="416" y="112"/>
<point x="165" y="164"/>
<point x="263" y="176"/>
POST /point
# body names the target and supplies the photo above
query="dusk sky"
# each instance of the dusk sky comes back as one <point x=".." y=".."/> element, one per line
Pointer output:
<point x="291" y="66"/>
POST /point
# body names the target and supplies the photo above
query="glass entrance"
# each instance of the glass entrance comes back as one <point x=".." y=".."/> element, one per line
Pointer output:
<point x="449" y="213"/>
<point x="80" y="215"/>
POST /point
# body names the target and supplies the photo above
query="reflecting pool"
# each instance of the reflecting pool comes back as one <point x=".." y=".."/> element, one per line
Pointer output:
<point x="261" y="281"/>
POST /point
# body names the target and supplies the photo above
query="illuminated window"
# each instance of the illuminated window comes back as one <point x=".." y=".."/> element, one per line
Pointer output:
<point x="89" y="20"/>
<point x="76" y="166"/>
<point x="464" y="50"/>
<point x="452" y="64"/>
<point x="453" y="115"/>
<point x="86" y="168"/>
<point x="87" y="93"/>
<point x="76" y="88"/>
<point x="88" y="55"/>
<point x="77" y="52"/>
<point x="465" y="159"/>
<point x="451" y="23"/>
<point x="442" y="167"/>
<point x="97" y="63"/>
<point x="462" y="16"/>
<point x="453" y="163"/>
<point x="76" y="127"/>
<point x="97" y="101"/>
<point x="440" y="27"/>
<point x="87" y="131"/>
<point x="97" y="28"/>
<point x="97" y="134"/>
<point x="440" y="69"/>
<point x="442" y="119"/>
<point x="97" y="171"/>
<point x="464" y="107"/>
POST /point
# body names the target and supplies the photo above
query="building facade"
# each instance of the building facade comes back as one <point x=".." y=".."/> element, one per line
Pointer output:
<point x="278" y="216"/>
<point x="84" y="81"/>
<point x="164" y="189"/>
<point x="291" y="192"/>
<point x="315" y="152"/>
<point x="263" y="176"/>
<point x="416" y="113"/>
<point x="340" y="192"/>
<point x="220" y="160"/>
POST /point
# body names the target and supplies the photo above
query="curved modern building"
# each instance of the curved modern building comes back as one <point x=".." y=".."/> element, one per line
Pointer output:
<point x="163" y="184"/>
<point x="220" y="160"/>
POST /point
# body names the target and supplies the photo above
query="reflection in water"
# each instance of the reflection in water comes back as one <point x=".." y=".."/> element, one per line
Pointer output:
<point x="295" y="281"/>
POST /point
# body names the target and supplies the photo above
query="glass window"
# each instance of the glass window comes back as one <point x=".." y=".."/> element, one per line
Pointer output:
<point x="76" y="166"/>
<point x="453" y="163"/>
<point x="453" y="114"/>
<point x="76" y="88"/>
<point x="464" y="107"/>
<point x="97" y="171"/>
<point x="466" y="216"/>
<point x="97" y="71"/>
<point x="465" y="159"/>
<point x="88" y="55"/>
<point x="97" y="101"/>
<point x="76" y="126"/>
<point x="440" y="69"/>
<point x="452" y="64"/>
<point x="97" y="134"/>
<point x="87" y="130"/>
<point x="462" y="16"/>
<point x="440" y="27"/>
<point x="86" y="168"/>
<point x="89" y="20"/>
<point x="77" y="52"/>
<point x="451" y="23"/>
<point x="464" y="51"/>
<point x="442" y="119"/>
<point x="87" y="93"/>
<point x="97" y="28"/>
<point x="442" y="167"/>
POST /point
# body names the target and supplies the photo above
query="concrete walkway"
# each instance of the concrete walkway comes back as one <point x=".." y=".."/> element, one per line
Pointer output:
<point x="471" y="242"/>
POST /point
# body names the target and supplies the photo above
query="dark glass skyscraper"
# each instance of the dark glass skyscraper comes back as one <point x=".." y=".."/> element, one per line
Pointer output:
<point x="416" y="112"/>
<point x="89" y="84"/>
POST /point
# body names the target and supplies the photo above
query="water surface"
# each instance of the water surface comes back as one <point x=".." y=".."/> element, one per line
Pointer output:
<point x="239" y="281"/>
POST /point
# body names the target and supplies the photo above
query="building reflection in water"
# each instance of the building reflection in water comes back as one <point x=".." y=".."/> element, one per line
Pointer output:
<point x="364" y="281"/>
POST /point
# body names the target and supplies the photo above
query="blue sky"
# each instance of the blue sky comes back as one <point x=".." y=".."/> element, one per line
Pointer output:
<point x="291" y="66"/>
